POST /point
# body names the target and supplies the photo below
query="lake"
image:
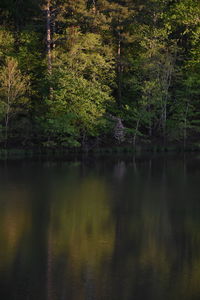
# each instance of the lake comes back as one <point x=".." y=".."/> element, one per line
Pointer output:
<point x="111" y="228"/>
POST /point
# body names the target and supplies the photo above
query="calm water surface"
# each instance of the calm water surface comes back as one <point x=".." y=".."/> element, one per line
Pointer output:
<point x="105" y="229"/>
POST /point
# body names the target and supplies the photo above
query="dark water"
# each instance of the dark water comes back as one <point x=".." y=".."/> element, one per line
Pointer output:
<point x="105" y="229"/>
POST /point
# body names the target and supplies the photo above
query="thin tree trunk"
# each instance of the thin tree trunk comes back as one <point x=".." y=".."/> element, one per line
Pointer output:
<point x="135" y="135"/>
<point x="6" y="124"/>
<point x="6" y="127"/>
<point x="185" y="128"/>
<point x="94" y="6"/>
<point x="150" y="121"/>
<point x="166" y="82"/>
<point x="166" y="86"/>
<point x="7" y="112"/>
<point x="164" y="120"/>
<point x="49" y="55"/>
<point x="53" y="41"/>
<point x="119" y="71"/>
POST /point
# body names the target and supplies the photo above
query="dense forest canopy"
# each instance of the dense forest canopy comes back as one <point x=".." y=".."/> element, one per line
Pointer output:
<point x="84" y="73"/>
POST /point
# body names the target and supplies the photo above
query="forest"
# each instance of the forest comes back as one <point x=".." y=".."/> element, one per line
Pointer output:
<point x="84" y="74"/>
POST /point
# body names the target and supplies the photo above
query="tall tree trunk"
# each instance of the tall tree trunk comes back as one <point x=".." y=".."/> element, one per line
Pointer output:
<point x="185" y="127"/>
<point x="53" y="33"/>
<point x="94" y="6"/>
<point x="165" y="86"/>
<point x="136" y="131"/>
<point x="48" y="23"/>
<point x="119" y="70"/>
<point x="164" y="119"/>
<point x="53" y="41"/>
<point x="7" y="110"/>
<point x="150" y="120"/>
<point x="6" y="125"/>
<point x="166" y="83"/>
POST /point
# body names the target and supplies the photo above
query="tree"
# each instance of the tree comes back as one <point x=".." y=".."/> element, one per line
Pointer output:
<point x="13" y="88"/>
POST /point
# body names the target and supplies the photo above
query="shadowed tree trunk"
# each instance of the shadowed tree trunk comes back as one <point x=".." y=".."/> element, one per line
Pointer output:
<point x="48" y="24"/>
<point x="119" y="70"/>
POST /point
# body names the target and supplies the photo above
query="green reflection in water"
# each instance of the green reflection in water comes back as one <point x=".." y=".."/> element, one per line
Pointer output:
<point x="82" y="225"/>
<point x="82" y="232"/>
<point x="15" y="226"/>
<point x="121" y="231"/>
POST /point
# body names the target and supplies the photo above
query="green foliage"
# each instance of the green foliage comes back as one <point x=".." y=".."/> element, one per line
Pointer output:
<point x="6" y="43"/>
<point x="137" y="61"/>
<point x="85" y="99"/>
<point x="59" y="131"/>
<point x="13" y="89"/>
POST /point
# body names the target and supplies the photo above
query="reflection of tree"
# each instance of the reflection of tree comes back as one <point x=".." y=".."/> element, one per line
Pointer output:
<point x="70" y="237"/>
<point x="120" y="170"/>
<point x="83" y="233"/>
<point x="15" y="224"/>
<point x="144" y="256"/>
<point x="157" y="255"/>
<point x="155" y="251"/>
<point x="188" y="283"/>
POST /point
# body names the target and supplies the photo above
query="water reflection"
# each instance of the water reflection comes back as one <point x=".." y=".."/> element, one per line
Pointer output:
<point x="82" y="234"/>
<point x="15" y="225"/>
<point x="124" y="229"/>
